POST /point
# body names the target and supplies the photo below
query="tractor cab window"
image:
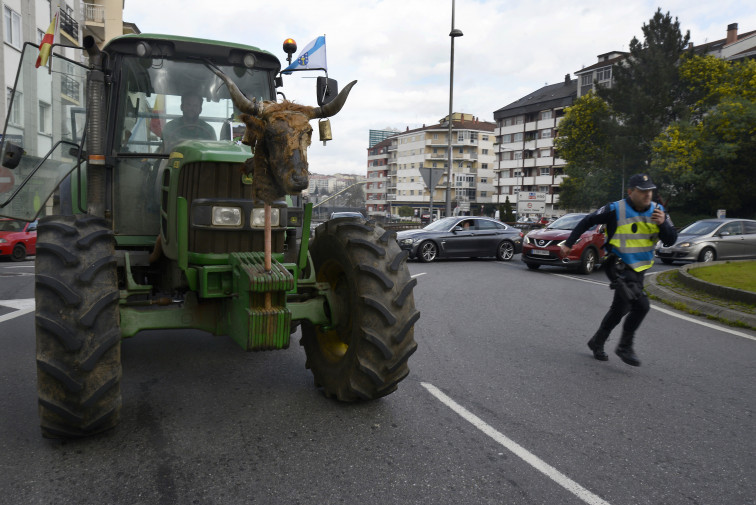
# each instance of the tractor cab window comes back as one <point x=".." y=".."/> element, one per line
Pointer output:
<point x="167" y="101"/>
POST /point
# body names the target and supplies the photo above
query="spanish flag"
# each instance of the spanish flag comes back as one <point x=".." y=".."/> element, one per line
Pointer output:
<point x="158" y="116"/>
<point x="47" y="42"/>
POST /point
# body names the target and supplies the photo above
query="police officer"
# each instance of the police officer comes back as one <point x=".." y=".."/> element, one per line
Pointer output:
<point x="633" y="226"/>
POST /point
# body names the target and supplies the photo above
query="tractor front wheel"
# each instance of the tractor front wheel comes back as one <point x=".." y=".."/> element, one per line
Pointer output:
<point x="363" y="354"/>
<point x="78" y="335"/>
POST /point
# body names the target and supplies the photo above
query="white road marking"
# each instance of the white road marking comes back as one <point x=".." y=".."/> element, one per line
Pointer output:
<point x="675" y="314"/>
<point x="519" y="451"/>
<point x="23" y="306"/>
<point x="704" y="323"/>
<point x="417" y="275"/>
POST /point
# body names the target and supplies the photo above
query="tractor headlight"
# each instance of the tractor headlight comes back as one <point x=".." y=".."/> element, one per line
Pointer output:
<point x="258" y="217"/>
<point x="227" y="216"/>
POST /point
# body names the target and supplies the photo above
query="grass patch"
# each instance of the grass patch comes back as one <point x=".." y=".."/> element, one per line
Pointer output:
<point x="739" y="275"/>
<point x="670" y="280"/>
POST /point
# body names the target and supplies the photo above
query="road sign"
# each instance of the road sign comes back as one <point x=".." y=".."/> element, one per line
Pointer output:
<point x="6" y="180"/>
<point x="431" y="176"/>
<point x="531" y="196"/>
<point x="527" y="207"/>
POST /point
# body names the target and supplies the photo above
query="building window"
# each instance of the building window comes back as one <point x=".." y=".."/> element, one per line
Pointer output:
<point x="483" y="180"/>
<point x="44" y="117"/>
<point x="518" y="155"/>
<point x="546" y="114"/>
<point x="543" y="189"/>
<point x="484" y="151"/>
<point x="517" y="173"/>
<point x="517" y="137"/>
<point x="604" y="74"/>
<point x="484" y="166"/>
<point x="15" y="113"/>
<point x="546" y="134"/>
<point x="506" y="139"/>
<point x="585" y="79"/>
<point x="545" y="171"/>
<point x="483" y="194"/>
<point x="484" y="137"/>
<point x="519" y="119"/>
<point x="12" y="27"/>
<point x="435" y="136"/>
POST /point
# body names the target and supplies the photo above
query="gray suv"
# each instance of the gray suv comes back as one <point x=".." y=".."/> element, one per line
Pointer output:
<point x="712" y="239"/>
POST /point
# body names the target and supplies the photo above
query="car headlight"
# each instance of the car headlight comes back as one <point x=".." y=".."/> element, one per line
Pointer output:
<point x="684" y="244"/>
<point x="3" y="241"/>
<point x="227" y="216"/>
<point x="526" y="240"/>
<point x="406" y="241"/>
<point x="258" y="217"/>
<point x="564" y="242"/>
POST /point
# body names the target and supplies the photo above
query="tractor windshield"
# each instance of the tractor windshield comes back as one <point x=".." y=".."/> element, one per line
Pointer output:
<point x="167" y="101"/>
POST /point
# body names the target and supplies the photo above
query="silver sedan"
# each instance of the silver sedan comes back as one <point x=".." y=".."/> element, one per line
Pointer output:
<point x="712" y="239"/>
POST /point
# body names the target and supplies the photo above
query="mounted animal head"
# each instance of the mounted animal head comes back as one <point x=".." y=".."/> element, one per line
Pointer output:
<point x="279" y="134"/>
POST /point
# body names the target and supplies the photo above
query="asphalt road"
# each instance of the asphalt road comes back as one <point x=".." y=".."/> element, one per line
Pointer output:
<point x="504" y="404"/>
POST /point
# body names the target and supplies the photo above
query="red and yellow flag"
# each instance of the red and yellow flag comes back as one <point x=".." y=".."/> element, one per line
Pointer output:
<point x="158" y="116"/>
<point x="47" y="42"/>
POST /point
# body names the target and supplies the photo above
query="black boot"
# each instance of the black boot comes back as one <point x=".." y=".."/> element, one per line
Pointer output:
<point x="625" y="350"/>
<point x="596" y="344"/>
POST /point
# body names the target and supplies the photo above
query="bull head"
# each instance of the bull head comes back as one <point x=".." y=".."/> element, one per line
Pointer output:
<point x="279" y="134"/>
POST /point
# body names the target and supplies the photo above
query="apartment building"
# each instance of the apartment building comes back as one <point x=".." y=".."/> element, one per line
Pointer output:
<point x="525" y="132"/>
<point x="406" y="153"/>
<point x="376" y="187"/>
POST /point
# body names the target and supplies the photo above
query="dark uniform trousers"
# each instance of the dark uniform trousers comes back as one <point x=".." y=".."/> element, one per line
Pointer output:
<point x="635" y="310"/>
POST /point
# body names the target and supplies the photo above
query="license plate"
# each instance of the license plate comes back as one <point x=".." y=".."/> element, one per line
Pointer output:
<point x="540" y="252"/>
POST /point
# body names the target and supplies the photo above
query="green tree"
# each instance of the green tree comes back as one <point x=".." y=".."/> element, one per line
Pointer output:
<point x="708" y="158"/>
<point x="606" y="137"/>
<point x="584" y="141"/>
<point x="507" y="215"/>
<point x="406" y="211"/>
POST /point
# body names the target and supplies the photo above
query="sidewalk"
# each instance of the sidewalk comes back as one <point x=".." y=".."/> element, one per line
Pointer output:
<point x="713" y="302"/>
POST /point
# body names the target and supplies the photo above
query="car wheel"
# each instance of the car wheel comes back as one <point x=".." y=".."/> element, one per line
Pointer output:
<point x="533" y="266"/>
<point x="588" y="261"/>
<point x="707" y="255"/>
<point x="19" y="253"/>
<point x="505" y="251"/>
<point x="667" y="261"/>
<point x="428" y="251"/>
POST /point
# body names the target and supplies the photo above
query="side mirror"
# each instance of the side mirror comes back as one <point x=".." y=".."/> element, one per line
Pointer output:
<point x="12" y="155"/>
<point x="458" y="228"/>
<point x="724" y="234"/>
<point x="326" y="89"/>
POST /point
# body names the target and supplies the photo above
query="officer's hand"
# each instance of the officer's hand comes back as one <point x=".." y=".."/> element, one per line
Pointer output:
<point x="658" y="216"/>
<point x="565" y="250"/>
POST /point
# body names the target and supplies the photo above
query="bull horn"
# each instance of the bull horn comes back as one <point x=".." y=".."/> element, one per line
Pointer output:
<point x="242" y="103"/>
<point x="333" y="107"/>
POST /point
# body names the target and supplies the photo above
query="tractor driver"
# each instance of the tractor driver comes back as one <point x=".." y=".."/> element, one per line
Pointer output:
<point x="189" y="126"/>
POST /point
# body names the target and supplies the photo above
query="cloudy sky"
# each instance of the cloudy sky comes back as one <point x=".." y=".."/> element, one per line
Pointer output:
<point x="399" y="50"/>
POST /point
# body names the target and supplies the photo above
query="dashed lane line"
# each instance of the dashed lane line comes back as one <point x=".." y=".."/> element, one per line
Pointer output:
<point x="518" y="450"/>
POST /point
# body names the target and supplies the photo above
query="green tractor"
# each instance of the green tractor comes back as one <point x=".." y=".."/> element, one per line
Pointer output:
<point x="155" y="218"/>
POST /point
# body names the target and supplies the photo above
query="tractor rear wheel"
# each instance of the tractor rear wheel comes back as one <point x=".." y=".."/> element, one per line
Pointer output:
<point x="363" y="354"/>
<point x="78" y="336"/>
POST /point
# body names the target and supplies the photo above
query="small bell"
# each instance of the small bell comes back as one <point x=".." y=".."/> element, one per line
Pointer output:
<point x="324" y="128"/>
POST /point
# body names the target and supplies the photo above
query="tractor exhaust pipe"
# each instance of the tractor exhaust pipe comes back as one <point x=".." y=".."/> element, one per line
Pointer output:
<point x="95" y="130"/>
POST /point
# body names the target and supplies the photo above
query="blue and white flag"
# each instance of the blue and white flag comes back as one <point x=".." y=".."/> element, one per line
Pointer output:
<point x="313" y="56"/>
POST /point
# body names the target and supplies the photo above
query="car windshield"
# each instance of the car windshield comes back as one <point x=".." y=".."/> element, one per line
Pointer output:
<point x="441" y="225"/>
<point x="566" y="222"/>
<point x="700" y="228"/>
<point x="11" y="225"/>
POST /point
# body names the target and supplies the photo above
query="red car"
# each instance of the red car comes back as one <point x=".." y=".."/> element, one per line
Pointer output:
<point x="541" y="247"/>
<point x="17" y="238"/>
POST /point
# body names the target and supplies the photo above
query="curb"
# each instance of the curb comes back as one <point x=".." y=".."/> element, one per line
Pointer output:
<point x="734" y="294"/>
<point x="705" y="308"/>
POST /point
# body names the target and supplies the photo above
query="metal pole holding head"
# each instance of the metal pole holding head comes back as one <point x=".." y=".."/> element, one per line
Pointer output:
<point x="453" y="34"/>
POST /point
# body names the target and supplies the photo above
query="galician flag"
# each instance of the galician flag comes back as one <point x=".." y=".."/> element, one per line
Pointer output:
<point x="47" y="42"/>
<point x="313" y="56"/>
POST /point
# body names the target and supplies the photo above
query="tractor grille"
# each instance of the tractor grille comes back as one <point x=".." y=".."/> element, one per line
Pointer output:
<point x="221" y="181"/>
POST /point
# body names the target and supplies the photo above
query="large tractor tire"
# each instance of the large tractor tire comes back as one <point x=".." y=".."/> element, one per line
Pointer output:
<point x="363" y="355"/>
<point x="78" y="336"/>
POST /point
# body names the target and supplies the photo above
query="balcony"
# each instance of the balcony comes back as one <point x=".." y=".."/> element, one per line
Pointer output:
<point x="94" y="13"/>
<point x="69" y="25"/>
<point x="70" y="88"/>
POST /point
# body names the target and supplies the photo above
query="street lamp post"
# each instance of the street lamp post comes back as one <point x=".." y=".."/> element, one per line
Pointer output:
<point x="453" y="34"/>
